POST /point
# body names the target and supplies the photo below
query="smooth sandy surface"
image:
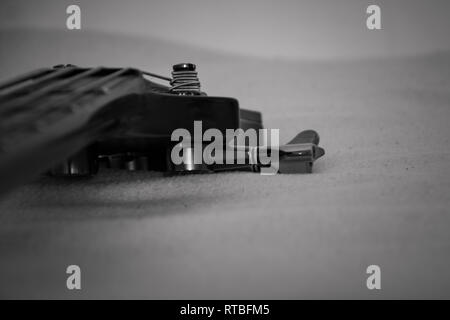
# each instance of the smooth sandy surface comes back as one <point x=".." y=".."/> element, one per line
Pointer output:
<point x="380" y="195"/>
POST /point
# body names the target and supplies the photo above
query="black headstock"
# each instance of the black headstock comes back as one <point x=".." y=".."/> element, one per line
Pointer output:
<point x="71" y="120"/>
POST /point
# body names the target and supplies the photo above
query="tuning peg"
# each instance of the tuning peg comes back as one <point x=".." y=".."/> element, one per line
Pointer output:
<point x="299" y="154"/>
<point x="82" y="164"/>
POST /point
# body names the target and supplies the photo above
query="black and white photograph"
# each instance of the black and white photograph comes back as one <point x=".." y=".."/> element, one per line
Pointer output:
<point x="224" y="151"/>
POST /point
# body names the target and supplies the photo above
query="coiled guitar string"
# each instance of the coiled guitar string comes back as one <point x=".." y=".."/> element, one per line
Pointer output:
<point x="182" y="82"/>
<point x="185" y="81"/>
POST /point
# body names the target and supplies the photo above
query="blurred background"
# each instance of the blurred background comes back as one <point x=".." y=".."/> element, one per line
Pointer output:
<point x="379" y="100"/>
<point x="290" y="29"/>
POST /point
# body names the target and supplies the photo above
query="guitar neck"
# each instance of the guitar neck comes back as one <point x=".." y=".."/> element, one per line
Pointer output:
<point x="50" y="114"/>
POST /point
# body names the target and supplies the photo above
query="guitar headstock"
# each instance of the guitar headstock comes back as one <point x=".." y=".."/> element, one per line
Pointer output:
<point x="71" y="120"/>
